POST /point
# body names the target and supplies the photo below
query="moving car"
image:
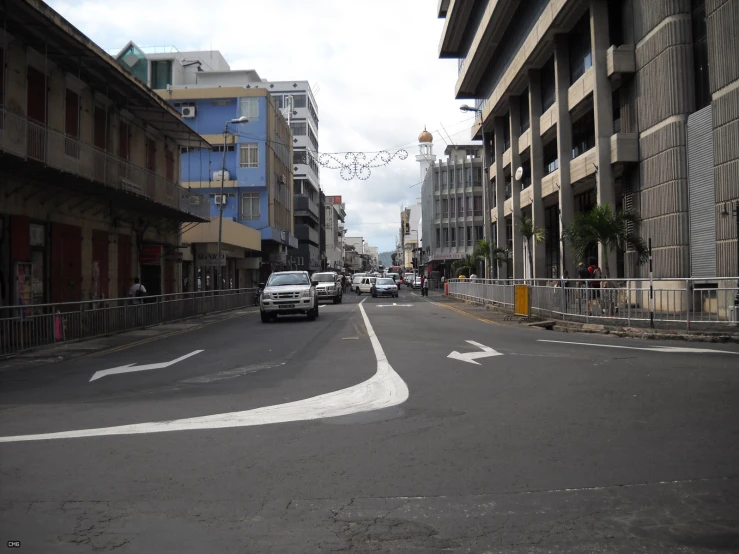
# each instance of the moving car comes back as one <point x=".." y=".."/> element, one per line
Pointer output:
<point x="365" y="284"/>
<point x="356" y="280"/>
<point x="328" y="286"/>
<point x="385" y="287"/>
<point x="395" y="277"/>
<point x="288" y="292"/>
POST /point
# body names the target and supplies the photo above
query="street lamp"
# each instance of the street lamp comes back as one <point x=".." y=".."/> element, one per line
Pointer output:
<point x="242" y="119"/>
<point x="486" y="184"/>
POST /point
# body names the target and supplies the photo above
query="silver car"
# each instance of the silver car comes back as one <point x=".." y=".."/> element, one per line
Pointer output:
<point x="288" y="292"/>
<point x="328" y="286"/>
<point x="385" y="286"/>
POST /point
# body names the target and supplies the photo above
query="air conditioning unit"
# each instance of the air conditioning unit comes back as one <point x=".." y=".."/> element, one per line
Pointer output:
<point x="217" y="175"/>
<point x="221" y="199"/>
<point x="188" y="111"/>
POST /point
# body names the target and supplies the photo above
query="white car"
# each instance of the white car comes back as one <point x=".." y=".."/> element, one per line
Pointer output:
<point x="288" y="292"/>
<point x="365" y="285"/>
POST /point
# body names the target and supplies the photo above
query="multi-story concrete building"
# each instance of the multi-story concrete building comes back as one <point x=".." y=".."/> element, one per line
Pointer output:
<point x="90" y="193"/>
<point x="166" y="67"/>
<point x="630" y="103"/>
<point x="452" y="204"/>
<point x="410" y="218"/>
<point x="335" y="214"/>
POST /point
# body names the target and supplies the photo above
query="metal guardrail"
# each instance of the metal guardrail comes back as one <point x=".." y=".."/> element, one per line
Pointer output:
<point x="674" y="302"/>
<point x="31" y="140"/>
<point x="27" y="327"/>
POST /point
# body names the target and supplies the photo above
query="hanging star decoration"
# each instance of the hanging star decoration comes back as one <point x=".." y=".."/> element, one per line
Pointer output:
<point x="358" y="165"/>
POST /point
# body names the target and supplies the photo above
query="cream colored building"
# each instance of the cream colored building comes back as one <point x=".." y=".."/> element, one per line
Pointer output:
<point x="631" y="103"/>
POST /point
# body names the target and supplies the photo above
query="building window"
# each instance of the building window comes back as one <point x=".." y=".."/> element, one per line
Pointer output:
<point x="477" y="206"/>
<point x="279" y="101"/>
<point x="478" y="233"/>
<point x="250" y="205"/>
<point x="523" y="111"/>
<point x="509" y="233"/>
<point x="161" y="74"/>
<point x="169" y="166"/>
<point x="460" y="234"/>
<point x="220" y="147"/>
<point x="444" y="181"/>
<point x="124" y="141"/>
<point x="548" y="85"/>
<point x="507" y="133"/>
<point x="469" y="205"/>
<point x="436" y="179"/>
<point x="454" y="236"/>
<point x="460" y="177"/>
<point x="151" y="155"/>
<point x="438" y="241"/>
<point x="581" y="58"/>
<point x="249" y="155"/>
<point x="72" y="124"/>
<point x="299" y="128"/>
<point x="299" y="101"/>
<point x="469" y="236"/>
<point x="615" y="22"/>
<point x="700" y="54"/>
<point x="445" y="208"/>
<point x="460" y="206"/>
<point x="583" y="134"/>
<point x="445" y="233"/>
<point x="300" y="157"/>
<point x="469" y="177"/>
<point x="437" y="213"/>
<point x="249" y="108"/>
<point x="551" y="157"/>
<point x="507" y="187"/>
<point x="452" y="207"/>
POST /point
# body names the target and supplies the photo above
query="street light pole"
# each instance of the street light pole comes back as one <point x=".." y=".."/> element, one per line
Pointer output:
<point x="220" y="208"/>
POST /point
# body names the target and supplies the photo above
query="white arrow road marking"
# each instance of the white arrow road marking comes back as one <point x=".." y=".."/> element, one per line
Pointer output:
<point x="383" y="390"/>
<point x="133" y="367"/>
<point x="668" y="349"/>
<point x="470" y="357"/>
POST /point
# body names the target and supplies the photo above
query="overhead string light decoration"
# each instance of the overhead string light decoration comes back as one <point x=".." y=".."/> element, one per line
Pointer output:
<point x="356" y="165"/>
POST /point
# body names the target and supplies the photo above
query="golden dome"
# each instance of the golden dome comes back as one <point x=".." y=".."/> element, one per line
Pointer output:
<point x="425" y="136"/>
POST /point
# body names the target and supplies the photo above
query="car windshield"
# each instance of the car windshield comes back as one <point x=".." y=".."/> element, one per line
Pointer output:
<point x="385" y="282"/>
<point x="323" y="278"/>
<point x="283" y="279"/>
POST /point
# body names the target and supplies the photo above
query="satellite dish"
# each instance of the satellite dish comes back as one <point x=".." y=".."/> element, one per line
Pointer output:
<point x="519" y="173"/>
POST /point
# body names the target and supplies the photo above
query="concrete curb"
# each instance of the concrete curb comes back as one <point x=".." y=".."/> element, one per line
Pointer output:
<point x="601" y="329"/>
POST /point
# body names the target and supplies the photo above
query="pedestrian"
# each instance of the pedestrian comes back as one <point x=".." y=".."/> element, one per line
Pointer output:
<point x="423" y="280"/>
<point x="425" y="288"/>
<point x="595" y="276"/>
<point x="137" y="291"/>
<point x="343" y="283"/>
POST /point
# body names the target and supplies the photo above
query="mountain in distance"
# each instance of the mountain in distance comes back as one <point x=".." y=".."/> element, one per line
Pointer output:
<point x="385" y="258"/>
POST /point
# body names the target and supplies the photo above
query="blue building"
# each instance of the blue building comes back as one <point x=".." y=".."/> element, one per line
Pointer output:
<point x="258" y="176"/>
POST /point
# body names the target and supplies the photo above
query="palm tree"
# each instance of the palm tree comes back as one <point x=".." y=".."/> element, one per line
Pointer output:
<point x="531" y="233"/>
<point x="465" y="266"/>
<point x="502" y="256"/>
<point x="611" y="230"/>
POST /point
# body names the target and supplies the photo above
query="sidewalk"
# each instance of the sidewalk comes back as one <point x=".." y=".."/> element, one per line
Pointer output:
<point x="87" y="347"/>
<point x="488" y="313"/>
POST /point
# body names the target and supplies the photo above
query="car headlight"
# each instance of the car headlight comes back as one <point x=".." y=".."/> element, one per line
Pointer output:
<point x="267" y="295"/>
<point x="305" y="293"/>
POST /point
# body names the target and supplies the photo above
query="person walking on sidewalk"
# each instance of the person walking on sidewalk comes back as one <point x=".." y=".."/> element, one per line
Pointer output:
<point x="425" y="288"/>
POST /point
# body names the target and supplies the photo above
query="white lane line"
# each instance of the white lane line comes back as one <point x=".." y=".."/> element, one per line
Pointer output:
<point x="666" y="349"/>
<point x="129" y="368"/>
<point x="384" y="389"/>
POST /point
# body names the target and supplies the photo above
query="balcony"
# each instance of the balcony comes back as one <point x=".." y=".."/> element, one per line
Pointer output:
<point x="34" y="141"/>
<point x="624" y="148"/>
<point x="621" y="61"/>
<point x="306" y="233"/>
<point x="304" y="206"/>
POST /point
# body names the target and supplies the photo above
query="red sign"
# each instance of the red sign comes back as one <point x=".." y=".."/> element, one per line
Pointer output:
<point x="333" y="200"/>
<point x="150" y="254"/>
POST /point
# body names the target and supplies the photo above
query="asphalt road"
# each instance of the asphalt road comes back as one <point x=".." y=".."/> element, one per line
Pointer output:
<point x="545" y="447"/>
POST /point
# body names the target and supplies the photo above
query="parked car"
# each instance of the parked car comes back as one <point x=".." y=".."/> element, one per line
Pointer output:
<point x="416" y="282"/>
<point x="365" y="285"/>
<point x="328" y="286"/>
<point x="384" y="287"/>
<point x="357" y="279"/>
<point x="288" y="292"/>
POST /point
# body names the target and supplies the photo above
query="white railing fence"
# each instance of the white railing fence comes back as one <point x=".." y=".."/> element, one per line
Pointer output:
<point x="26" y="327"/>
<point x="674" y="302"/>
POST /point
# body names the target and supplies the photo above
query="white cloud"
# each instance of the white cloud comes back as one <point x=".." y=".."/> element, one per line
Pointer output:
<point x="373" y="62"/>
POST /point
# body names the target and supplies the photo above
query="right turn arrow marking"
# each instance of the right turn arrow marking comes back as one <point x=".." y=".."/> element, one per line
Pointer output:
<point x="470" y="357"/>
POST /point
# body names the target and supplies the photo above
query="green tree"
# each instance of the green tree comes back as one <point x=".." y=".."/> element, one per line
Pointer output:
<point x="465" y="266"/>
<point x="532" y="234"/>
<point x="610" y="229"/>
<point x="502" y="256"/>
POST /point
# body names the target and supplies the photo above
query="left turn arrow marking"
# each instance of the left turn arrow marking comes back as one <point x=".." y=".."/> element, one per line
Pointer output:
<point x="133" y="367"/>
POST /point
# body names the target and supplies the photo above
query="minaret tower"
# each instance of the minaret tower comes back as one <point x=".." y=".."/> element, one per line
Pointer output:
<point x="425" y="156"/>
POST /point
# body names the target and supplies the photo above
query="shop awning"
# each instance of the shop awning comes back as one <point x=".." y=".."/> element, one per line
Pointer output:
<point x="234" y="234"/>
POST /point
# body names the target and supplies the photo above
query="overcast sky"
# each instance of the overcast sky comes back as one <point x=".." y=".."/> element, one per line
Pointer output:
<point x="373" y="65"/>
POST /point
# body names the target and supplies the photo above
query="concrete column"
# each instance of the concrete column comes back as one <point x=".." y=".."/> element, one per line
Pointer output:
<point x="500" y="191"/>
<point x="603" y="114"/>
<point x="518" y="240"/>
<point x="537" y="168"/>
<point x="564" y="146"/>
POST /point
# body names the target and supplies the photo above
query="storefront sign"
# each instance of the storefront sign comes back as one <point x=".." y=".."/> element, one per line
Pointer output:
<point x="37" y="235"/>
<point x="448" y="256"/>
<point x="206" y="259"/>
<point x="333" y="200"/>
<point x="150" y="254"/>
